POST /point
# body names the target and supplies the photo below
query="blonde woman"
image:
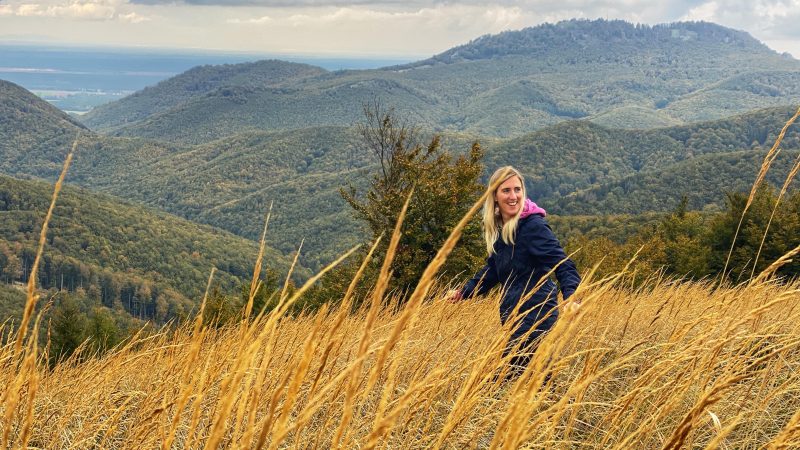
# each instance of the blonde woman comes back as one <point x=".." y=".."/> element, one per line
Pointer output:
<point x="522" y="250"/>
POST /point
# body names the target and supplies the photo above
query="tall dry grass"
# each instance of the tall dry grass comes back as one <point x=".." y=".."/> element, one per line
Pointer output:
<point x="671" y="365"/>
<point x="678" y="364"/>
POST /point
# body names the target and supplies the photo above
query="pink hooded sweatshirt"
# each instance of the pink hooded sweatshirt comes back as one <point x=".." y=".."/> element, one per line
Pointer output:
<point x="530" y="208"/>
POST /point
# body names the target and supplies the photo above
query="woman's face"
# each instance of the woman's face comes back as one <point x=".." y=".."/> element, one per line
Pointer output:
<point x="508" y="198"/>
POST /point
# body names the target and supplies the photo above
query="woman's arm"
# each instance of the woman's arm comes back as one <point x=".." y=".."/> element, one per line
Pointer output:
<point x="545" y="248"/>
<point x="483" y="281"/>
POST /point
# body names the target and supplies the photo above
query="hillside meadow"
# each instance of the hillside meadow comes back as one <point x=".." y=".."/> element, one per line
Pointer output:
<point x="678" y="364"/>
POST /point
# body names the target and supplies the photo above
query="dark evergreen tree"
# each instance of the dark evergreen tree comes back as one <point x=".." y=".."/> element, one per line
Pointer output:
<point x="68" y="328"/>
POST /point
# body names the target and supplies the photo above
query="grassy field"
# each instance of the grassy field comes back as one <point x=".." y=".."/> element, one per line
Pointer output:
<point x="675" y="365"/>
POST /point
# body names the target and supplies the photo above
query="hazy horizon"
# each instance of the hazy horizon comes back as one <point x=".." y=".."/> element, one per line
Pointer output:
<point x="385" y="28"/>
<point x="79" y="78"/>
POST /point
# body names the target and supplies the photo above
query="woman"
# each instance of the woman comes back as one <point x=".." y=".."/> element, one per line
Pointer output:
<point x="522" y="250"/>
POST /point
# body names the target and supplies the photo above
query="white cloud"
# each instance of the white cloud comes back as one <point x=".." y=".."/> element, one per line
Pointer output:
<point x="132" y="18"/>
<point x="503" y="17"/>
<point x="82" y="10"/>
<point x="496" y="18"/>
<point x="102" y="10"/>
<point x="257" y="21"/>
<point x="706" y="12"/>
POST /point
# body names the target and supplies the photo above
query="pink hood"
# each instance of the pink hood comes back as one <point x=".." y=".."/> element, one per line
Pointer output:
<point x="530" y="208"/>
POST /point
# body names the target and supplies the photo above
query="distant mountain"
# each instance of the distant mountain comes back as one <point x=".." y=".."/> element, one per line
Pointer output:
<point x="120" y="250"/>
<point x="612" y="72"/>
<point x="194" y="83"/>
<point x="596" y="41"/>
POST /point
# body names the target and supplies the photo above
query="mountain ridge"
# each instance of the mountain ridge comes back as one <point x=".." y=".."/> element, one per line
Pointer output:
<point x="530" y="40"/>
<point x="202" y="80"/>
<point x="502" y="85"/>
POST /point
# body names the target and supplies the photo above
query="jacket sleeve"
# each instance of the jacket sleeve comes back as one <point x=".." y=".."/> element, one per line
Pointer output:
<point x="548" y="253"/>
<point x="483" y="281"/>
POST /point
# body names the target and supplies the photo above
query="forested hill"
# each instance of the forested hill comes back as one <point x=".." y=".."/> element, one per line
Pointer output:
<point x="155" y="264"/>
<point x="195" y="83"/>
<point x="615" y="73"/>
<point x="704" y="181"/>
<point x="599" y="41"/>
<point x="26" y="123"/>
<point x="228" y="183"/>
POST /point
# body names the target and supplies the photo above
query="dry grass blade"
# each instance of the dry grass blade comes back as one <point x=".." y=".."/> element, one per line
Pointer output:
<point x="780" y="262"/>
<point x="194" y="351"/>
<point x="30" y="304"/>
<point x="377" y="296"/>
<point x="784" y="189"/>
<point x="678" y="437"/>
<point x="287" y="281"/>
<point x="255" y="282"/>
<point x="762" y="173"/>
<point x="27" y="373"/>
<point x="789" y="436"/>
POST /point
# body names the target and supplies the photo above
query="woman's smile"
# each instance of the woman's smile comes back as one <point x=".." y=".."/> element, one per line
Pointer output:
<point x="509" y="198"/>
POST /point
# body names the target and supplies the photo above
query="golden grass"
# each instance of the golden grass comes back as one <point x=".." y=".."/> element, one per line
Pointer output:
<point x="631" y="369"/>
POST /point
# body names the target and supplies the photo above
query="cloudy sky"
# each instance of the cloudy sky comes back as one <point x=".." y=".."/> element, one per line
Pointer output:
<point x="385" y="28"/>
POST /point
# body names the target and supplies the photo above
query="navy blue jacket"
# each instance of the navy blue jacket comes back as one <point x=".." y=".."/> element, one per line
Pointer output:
<point x="520" y="267"/>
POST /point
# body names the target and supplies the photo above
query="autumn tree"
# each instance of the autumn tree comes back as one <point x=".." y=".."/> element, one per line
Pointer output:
<point x="444" y="187"/>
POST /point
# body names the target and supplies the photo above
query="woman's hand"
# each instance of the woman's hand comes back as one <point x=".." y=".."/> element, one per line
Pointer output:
<point x="454" y="296"/>
<point x="572" y="306"/>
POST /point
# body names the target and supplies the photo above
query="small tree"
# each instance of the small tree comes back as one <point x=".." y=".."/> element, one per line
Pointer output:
<point x="102" y="331"/>
<point x="68" y="328"/>
<point x="682" y="233"/>
<point x="445" y="187"/>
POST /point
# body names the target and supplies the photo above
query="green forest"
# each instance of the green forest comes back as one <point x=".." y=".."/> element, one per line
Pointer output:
<point x="152" y="265"/>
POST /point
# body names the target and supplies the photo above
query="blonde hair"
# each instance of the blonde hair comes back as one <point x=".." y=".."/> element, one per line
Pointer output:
<point x="493" y="226"/>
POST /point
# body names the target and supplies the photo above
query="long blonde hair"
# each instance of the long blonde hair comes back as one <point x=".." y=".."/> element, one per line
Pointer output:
<point x="492" y="220"/>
